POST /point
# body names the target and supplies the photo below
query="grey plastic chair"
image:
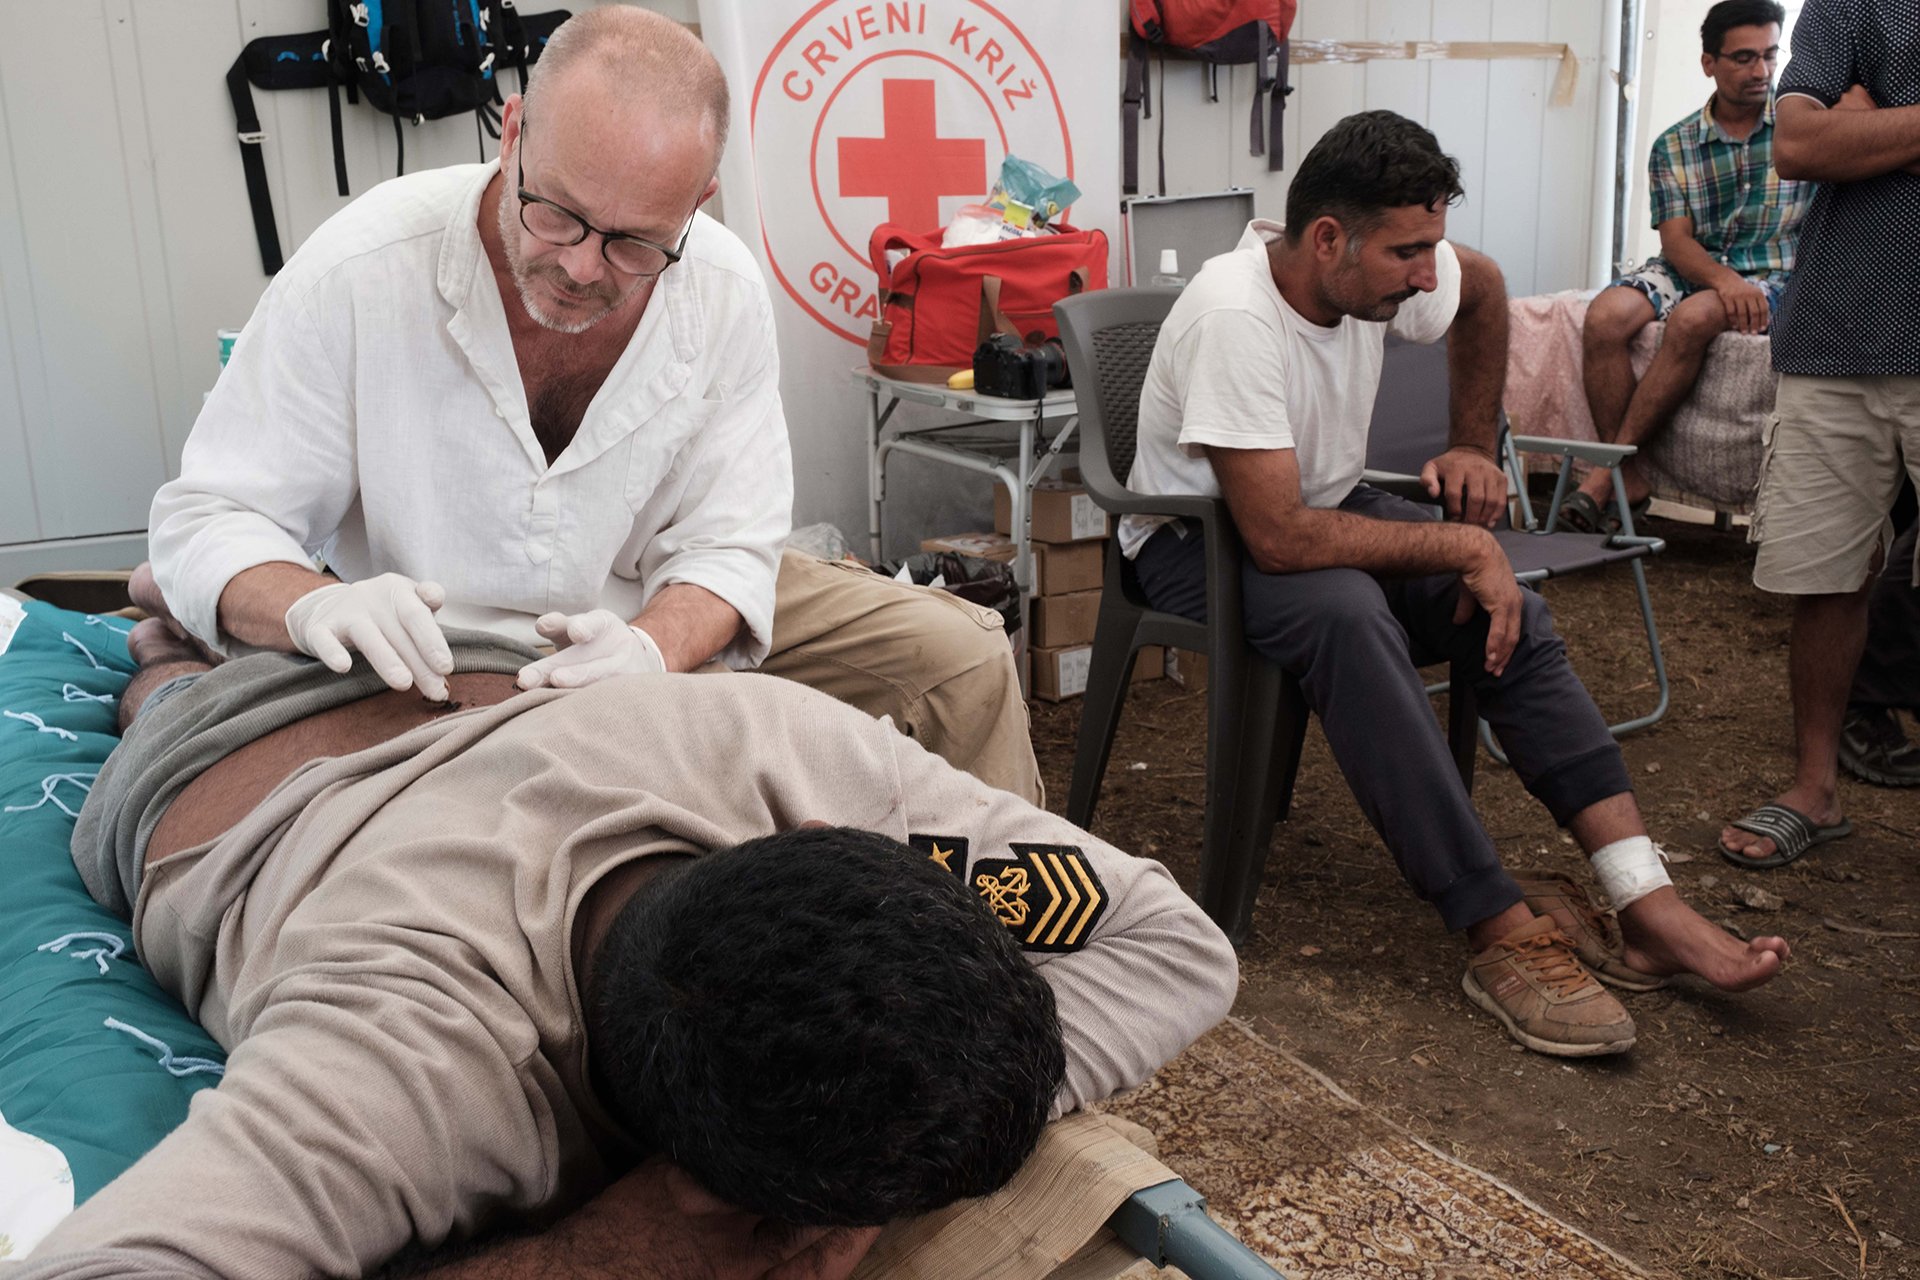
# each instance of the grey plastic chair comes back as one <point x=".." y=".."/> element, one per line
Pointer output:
<point x="1410" y="425"/>
<point x="1256" y="713"/>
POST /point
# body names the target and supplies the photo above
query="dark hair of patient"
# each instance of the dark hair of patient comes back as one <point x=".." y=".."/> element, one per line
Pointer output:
<point x="1728" y="14"/>
<point x="825" y="1028"/>
<point x="1366" y="164"/>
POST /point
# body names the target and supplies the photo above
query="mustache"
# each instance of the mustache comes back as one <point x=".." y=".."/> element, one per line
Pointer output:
<point x="565" y="284"/>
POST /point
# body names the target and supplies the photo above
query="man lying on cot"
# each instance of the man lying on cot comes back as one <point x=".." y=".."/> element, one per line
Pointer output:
<point x="707" y="975"/>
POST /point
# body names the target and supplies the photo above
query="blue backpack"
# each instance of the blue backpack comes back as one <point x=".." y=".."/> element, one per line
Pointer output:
<point x="414" y="60"/>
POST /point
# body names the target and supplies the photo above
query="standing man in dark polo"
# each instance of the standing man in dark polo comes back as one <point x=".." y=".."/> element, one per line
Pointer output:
<point x="1847" y="417"/>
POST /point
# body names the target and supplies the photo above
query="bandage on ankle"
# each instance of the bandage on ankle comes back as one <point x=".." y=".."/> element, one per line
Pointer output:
<point x="1629" y="870"/>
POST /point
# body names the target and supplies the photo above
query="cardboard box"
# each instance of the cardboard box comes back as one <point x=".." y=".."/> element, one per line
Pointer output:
<point x="1057" y="570"/>
<point x="1057" y="622"/>
<point x="1187" y="669"/>
<point x="1060" y="512"/>
<point x="1059" y="674"/>
<point x="1061" y="569"/>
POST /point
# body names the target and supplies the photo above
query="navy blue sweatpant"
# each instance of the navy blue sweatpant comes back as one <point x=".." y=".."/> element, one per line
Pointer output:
<point x="1355" y="639"/>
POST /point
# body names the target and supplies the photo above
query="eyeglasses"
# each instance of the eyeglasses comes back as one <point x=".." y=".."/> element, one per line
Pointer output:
<point x="1747" y="57"/>
<point x="558" y="225"/>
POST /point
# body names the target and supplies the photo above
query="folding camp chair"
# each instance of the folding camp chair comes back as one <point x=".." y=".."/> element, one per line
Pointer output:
<point x="1410" y="425"/>
<point x="1256" y="713"/>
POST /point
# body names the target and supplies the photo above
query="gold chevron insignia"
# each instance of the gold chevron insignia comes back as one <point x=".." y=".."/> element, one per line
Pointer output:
<point x="1059" y="895"/>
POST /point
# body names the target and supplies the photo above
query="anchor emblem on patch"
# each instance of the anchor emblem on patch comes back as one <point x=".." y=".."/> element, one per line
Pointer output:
<point x="1047" y="895"/>
<point x="1005" y="894"/>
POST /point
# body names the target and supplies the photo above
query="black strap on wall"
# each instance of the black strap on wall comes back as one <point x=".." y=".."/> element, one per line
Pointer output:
<point x="1162" y="188"/>
<point x="1277" y="92"/>
<point x="1131" y="98"/>
<point x="247" y="122"/>
<point x="339" y="139"/>
<point x="1262" y="81"/>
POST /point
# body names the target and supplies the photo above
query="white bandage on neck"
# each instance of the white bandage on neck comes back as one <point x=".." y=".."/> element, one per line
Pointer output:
<point x="1629" y="870"/>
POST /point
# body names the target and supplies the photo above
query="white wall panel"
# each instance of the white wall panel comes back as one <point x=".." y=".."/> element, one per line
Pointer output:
<point x="22" y="386"/>
<point x="90" y="423"/>
<point x="1516" y="128"/>
<point x="1400" y="86"/>
<point x="1564" y="180"/>
<point x="1526" y="164"/>
<point x="1457" y="113"/>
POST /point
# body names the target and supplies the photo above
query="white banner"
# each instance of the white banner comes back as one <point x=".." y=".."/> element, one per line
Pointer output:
<point x="851" y="113"/>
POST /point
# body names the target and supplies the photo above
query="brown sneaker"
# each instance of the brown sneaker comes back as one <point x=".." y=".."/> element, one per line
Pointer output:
<point x="1595" y="933"/>
<point x="1532" y="981"/>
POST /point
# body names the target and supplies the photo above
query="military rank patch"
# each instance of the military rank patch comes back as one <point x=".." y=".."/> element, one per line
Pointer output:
<point x="949" y="853"/>
<point x="1046" y="894"/>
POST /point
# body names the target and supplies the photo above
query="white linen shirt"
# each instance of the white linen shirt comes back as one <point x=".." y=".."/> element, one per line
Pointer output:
<point x="1235" y="366"/>
<point x="372" y="414"/>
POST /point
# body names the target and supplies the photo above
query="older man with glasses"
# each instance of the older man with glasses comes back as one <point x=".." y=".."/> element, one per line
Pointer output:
<point x="541" y="397"/>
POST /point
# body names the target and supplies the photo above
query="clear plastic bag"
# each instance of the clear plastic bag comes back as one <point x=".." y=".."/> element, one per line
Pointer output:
<point x="1028" y="195"/>
<point x="823" y="540"/>
<point x="974" y="224"/>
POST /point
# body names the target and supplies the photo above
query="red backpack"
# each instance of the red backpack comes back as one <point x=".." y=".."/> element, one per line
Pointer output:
<point x="1233" y="32"/>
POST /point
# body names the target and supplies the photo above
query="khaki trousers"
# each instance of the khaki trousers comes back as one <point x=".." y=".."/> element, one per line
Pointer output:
<point x="939" y="666"/>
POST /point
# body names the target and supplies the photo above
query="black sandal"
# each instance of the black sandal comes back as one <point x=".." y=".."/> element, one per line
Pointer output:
<point x="1579" y="513"/>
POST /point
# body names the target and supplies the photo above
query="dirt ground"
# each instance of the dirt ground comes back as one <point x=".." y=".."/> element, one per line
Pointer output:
<point x="1772" y="1134"/>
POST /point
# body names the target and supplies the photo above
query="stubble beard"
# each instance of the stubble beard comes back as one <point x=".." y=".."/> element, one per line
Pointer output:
<point x="524" y="276"/>
<point x="1344" y="291"/>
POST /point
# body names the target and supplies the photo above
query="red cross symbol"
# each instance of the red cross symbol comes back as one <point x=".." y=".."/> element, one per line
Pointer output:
<point x="911" y="165"/>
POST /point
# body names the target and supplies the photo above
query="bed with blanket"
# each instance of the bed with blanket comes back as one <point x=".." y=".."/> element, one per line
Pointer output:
<point x="97" y="1063"/>
<point x="1709" y="456"/>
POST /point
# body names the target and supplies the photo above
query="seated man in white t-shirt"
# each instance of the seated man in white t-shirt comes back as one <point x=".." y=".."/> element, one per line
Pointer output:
<point x="1261" y="390"/>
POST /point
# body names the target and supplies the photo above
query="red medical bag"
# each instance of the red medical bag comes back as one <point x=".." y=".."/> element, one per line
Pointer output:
<point x="937" y="305"/>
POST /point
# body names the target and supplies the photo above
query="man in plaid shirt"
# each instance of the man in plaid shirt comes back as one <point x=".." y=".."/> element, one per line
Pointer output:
<point x="1728" y="227"/>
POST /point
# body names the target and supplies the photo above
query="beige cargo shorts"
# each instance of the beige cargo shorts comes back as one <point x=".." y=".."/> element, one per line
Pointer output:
<point x="1834" y="452"/>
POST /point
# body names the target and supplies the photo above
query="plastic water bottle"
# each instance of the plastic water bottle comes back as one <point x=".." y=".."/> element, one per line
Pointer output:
<point x="1169" y="273"/>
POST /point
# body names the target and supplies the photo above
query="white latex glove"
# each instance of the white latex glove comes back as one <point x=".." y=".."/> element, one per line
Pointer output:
<point x="389" y="619"/>
<point x="588" y="647"/>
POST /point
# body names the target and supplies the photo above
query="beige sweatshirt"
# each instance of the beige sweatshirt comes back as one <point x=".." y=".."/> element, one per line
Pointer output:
<point x="383" y="948"/>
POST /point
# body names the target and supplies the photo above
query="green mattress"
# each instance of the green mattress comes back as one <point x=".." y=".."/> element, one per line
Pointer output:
<point x="97" y="1063"/>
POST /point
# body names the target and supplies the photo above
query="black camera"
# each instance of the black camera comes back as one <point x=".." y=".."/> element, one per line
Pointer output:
<point x="1003" y="365"/>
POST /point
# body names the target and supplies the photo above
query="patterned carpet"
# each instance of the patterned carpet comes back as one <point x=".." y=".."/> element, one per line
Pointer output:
<point x="1327" y="1190"/>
